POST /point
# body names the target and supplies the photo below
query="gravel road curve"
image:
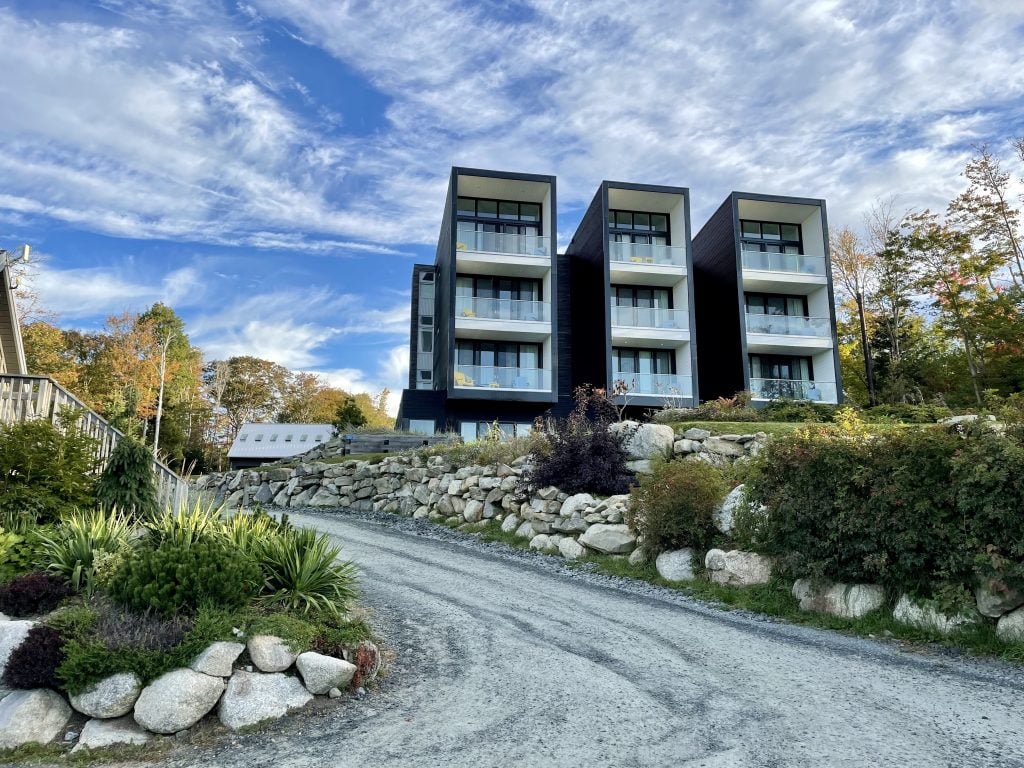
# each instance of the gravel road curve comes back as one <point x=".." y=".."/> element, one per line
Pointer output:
<point x="509" y="658"/>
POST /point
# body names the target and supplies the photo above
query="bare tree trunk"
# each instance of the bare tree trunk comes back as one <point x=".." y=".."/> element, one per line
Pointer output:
<point x="869" y="368"/>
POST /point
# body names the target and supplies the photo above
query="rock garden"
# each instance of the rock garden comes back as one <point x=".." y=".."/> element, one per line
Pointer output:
<point x="921" y="526"/>
<point x="128" y="623"/>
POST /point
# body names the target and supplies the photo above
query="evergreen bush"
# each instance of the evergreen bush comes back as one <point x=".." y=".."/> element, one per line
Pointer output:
<point x="171" y="576"/>
<point x="127" y="483"/>
<point x="674" y="506"/>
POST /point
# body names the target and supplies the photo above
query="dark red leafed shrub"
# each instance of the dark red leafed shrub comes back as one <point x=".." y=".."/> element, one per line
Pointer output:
<point x="583" y="456"/>
<point x="33" y="664"/>
<point x="32" y="594"/>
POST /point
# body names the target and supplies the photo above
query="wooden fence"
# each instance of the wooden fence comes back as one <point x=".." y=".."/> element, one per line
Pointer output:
<point x="38" y="397"/>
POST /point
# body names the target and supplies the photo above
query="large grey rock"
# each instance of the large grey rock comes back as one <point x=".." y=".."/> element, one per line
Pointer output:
<point x="111" y="697"/>
<point x="640" y="467"/>
<point x="609" y="539"/>
<point x="474" y="511"/>
<point x="695" y="433"/>
<point x="320" y="673"/>
<point x="525" y="530"/>
<point x="576" y="503"/>
<point x="12" y="634"/>
<point x="177" y="700"/>
<point x="847" y="601"/>
<point x="675" y="565"/>
<point x="645" y="441"/>
<point x="270" y="653"/>
<point x="1010" y="628"/>
<point x="995" y="598"/>
<point x="725" y="513"/>
<point x="737" y="568"/>
<point x="218" y="659"/>
<point x="638" y="556"/>
<point x="542" y="542"/>
<point x="722" y="447"/>
<point x="98" y="734"/>
<point x="571" y="549"/>
<point x="32" y="717"/>
<point x="685" y="446"/>
<point x="252" y="697"/>
<point x="925" y="615"/>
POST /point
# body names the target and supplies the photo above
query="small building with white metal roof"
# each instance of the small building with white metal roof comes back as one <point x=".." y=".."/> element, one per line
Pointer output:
<point x="257" y="444"/>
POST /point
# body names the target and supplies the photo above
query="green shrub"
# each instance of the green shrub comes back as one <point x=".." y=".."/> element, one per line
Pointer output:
<point x="34" y="663"/>
<point x="798" y="411"/>
<point x="910" y="510"/>
<point x="300" y="632"/>
<point x="84" y="541"/>
<point x="23" y="552"/>
<point x="127" y="483"/>
<point x="44" y="470"/>
<point x="674" y="506"/>
<point x="145" y="644"/>
<point x="906" y="413"/>
<point x="32" y="594"/>
<point x="581" y="454"/>
<point x="301" y="573"/>
<point x="170" y="576"/>
<point x="73" y="621"/>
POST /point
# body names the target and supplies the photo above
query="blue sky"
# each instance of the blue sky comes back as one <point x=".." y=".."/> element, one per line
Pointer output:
<point x="273" y="168"/>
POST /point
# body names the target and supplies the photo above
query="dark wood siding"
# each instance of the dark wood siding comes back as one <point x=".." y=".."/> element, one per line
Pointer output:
<point x="588" y="292"/>
<point x="716" y="294"/>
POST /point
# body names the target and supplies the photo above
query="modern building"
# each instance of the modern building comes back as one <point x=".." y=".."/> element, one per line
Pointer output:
<point x="504" y="328"/>
<point x="257" y="444"/>
<point x="765" y="308"/>
<point x="488" y="350"/>
<point x="632" y="296"/>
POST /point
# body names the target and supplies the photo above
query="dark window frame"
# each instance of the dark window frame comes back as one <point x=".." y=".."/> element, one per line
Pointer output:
<point x="476" y="344"/>
<point x="632" y="233"/>
<point x="761" y="242"/>
<point x="616" y="287"/>
<point x="518" y="222"/>
<point x="765" y="296"/>
<point x="775" y="359"/>
<point x="517" y="280"/>
<point x="635" y="352"/>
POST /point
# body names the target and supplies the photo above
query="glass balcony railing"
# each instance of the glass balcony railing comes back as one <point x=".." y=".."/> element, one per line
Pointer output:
<point x="665" y="384"/>
<point x="789" y="325"/>
<point x="797" y="263"/>
<point x="792" y="389"/>
<point x="502" y="309"/>
<point x="502" y="242"/>
<point x="494" y="377"/>
<point x="649" y="317"/>
<point x="643" y="253"/>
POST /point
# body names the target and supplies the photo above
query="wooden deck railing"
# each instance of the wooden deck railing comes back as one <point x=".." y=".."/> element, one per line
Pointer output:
<point x="38" y="397"/>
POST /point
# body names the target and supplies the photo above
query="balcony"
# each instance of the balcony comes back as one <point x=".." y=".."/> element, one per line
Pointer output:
<point x="792" y="263"/>
<point x="650" y="317"/>
<point x="793" y="389"/>
<point x="500" y="253"/>
<point x="658" y="384"/>
<point x="789" y="325"/>
<point x="494" y="377"/>
<point x="502" y="309"/>
<point x="645" y="253"/>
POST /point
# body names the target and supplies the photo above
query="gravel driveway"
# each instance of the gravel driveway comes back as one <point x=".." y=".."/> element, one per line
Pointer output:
<point x="509" y="658"/>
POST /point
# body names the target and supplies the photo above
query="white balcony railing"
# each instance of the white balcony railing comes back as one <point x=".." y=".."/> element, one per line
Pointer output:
<point x="665" y="384"/>
<point x="792" y="389"/>
<point x="501" y="242"/>
<point x="643" y="253"/>
<point x="649" y="317"/>
<point x="502" y="309"/>
<point x="494" y="377"/>
<point x="796" y="263"/>
<point x="789" y="325"/>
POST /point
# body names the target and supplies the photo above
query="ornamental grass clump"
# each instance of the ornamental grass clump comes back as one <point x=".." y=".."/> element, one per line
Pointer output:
<point x="85" y="545"/>
<point x="302" y="573"/>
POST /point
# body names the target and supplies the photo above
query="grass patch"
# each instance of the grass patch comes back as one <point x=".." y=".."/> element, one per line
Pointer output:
<point x="775" y="599"/>
<point x="777" y="428"/>
<point x="372" y="458"/>
<point x="492" y="532"/>
<point x="36" y="754"/>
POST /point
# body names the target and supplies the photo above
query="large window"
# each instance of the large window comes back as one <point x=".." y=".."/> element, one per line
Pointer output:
<point x="634" y="296"/>
<point x="479" y="430"/>
<point x="781" y="367"/>
<point x="497" y="354"/>
<point x="770" y="236"/>
<point x="502" y="288"/>
<point x="643" y="361"/>
<point x="500" y="216"/>
<point x="638" y="227"/>
<point x="776" y="304"/>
